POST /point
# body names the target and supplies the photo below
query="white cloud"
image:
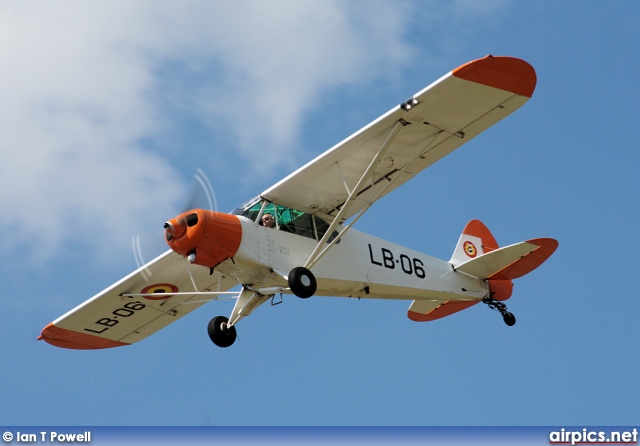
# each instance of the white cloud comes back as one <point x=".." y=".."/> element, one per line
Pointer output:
<point x="72" y="115"/>
<point x="80" y="84"/>
<point x="276" y="59"/>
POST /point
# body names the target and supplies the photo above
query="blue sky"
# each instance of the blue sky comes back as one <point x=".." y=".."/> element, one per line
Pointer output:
<point x="110" y="107"/>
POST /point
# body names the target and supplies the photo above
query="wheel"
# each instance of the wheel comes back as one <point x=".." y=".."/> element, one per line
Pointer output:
<point x="509" y="318"/>
<point x="220" y="334"/>
<point x="302" y="282"/>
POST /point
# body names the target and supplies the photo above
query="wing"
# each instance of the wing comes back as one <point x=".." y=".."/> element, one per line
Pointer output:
<point x="409" y="138"/>
<point x="114" y="318"/>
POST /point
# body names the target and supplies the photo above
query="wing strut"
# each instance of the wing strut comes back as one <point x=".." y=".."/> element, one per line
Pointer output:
<point x="318" y="252"/>
<point x="315" y="255"/>
<point x="168" y="295"/>
<point x="344" y="181"/>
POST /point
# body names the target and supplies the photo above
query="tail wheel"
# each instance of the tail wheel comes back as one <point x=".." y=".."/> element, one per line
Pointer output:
<point x="509" y="318"/>
<point x="220" y="333"/>
<point x="302" y="282"/>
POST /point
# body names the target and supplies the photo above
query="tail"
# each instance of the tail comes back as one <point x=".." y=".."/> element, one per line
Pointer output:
<point x="478" y="254"/>
<point x="475" y="241"/>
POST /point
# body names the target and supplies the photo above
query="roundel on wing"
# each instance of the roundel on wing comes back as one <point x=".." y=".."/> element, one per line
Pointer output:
<point x="470" y="249"/>
<point x="159" y="288"/>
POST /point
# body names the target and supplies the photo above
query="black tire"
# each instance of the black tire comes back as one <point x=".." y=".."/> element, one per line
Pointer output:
<point x="220" y="334"/>
<point x="302" y="282"/>
<point x="509" y="318"/>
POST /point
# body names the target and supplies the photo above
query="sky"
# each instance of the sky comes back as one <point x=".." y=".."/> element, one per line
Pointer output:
<point x="109" y="108"/>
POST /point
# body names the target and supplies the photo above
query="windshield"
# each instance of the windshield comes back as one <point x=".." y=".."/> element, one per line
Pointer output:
<point x="249" y="209"/>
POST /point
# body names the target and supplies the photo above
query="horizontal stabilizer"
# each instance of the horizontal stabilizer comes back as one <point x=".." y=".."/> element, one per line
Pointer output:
<point x="546" y="247"/>
<point x="511" y="261"/>
<point x="430" y="310"/>
<point x="487" y="264"/>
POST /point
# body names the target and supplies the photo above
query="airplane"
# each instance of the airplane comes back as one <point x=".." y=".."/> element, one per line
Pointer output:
<point x="297" y="236"/>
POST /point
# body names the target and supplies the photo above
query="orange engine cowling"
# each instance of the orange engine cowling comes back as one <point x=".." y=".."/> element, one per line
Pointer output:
<point x="205" y="238"/>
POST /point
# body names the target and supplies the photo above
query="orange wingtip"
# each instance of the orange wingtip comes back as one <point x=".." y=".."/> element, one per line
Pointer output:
<point x="61" y="337"/>
<point x="505" y="73"/>
<point x="546" y="247"/>
<point x="446" y="309"/>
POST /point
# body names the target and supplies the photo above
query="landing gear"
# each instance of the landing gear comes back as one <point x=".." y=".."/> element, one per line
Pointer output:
<point x="302" y="282"/>
<point x="508" y="317"/>
<point x="220" y="333"/>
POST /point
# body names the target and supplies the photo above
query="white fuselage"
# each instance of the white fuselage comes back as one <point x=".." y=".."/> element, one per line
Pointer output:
<point x="360" y="265"/>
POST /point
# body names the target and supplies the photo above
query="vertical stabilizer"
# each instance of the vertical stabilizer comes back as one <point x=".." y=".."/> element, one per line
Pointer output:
<point x="475" y="240"/>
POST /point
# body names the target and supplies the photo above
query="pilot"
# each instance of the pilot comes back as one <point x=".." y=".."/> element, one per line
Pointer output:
<point x="267" y="221"/>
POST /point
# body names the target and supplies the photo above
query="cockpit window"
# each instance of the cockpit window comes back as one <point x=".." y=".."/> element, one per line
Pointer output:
<point x="295" y="222"/>
<point x="283" y="218"/>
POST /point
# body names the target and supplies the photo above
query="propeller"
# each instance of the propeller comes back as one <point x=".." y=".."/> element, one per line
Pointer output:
<point x="201" y="196"/>
<point x="202" y="186"/>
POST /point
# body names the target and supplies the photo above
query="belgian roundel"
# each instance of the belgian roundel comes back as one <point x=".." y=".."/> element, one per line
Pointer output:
<point x="159" y="288"/>
<point x="470" y="249"/>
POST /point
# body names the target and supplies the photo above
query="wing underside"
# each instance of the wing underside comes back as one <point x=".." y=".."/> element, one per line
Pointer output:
<point x="408" y="138"/>
<point x="137" y="306"/>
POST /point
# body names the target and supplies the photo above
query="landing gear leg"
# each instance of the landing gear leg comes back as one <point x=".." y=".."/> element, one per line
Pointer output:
<point x="508" y="317"/>
<point x="220" y="333"/>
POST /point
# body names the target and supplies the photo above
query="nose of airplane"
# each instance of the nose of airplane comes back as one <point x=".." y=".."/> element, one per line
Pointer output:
<point x="205" y="238"/>
<point x="176" y="228"/>
<point x="173" y="229"/>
